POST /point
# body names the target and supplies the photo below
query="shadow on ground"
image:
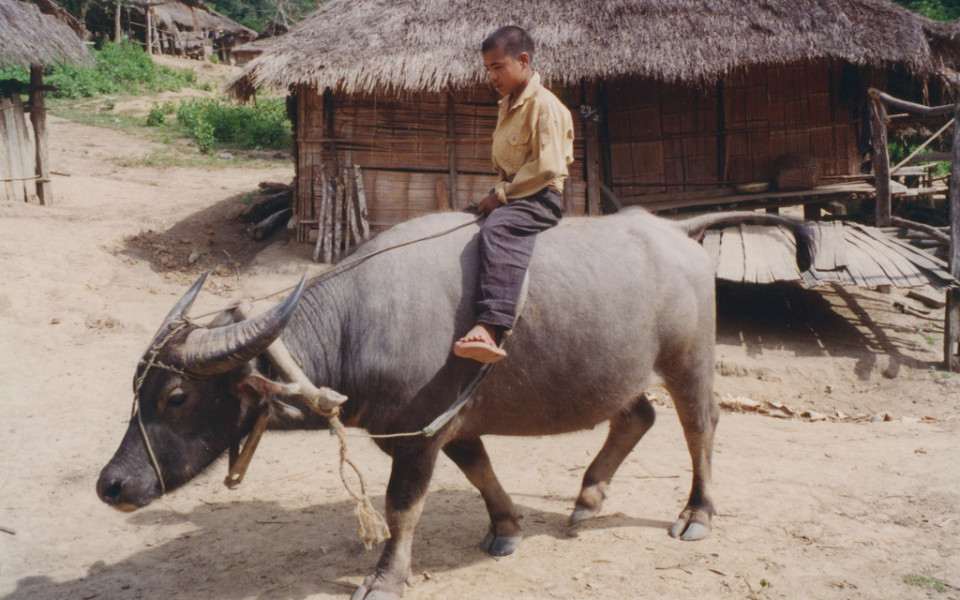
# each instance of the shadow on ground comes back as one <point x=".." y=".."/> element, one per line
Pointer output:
<point x="260" y="549"/>
<point x="809" y="323"/>
<point x="212" y="239"/>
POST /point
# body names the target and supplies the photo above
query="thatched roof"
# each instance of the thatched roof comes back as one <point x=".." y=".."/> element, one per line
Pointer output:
<point x="367" y="45"/>
<point x="194" y="15"/>
<point x="31" y="38"/>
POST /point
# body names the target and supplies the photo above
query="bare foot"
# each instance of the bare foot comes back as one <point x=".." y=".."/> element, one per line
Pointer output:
<point x="480" y="344"/>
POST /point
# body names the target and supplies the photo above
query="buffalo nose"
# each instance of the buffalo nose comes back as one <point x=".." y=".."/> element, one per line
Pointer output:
<point x="109" y="488"/>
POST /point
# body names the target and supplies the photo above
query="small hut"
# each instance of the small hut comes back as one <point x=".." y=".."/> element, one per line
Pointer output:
<point x="187" y="28"/>
<point x="680" y="102"/>
<point x="30" y="39"/>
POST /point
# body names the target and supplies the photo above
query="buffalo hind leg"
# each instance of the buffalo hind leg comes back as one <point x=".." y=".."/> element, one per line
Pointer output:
<point x="626" y="429"/>
<point x="691" y="387"/>
<point x="504" y="535"/>
<point x="409" y="479"/>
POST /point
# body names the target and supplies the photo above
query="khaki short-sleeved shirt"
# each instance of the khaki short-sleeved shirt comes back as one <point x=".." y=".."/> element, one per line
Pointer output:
<point x="532" y="144"/>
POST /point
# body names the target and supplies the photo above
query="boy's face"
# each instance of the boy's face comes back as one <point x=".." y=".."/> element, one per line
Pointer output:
<point x="505" y="72"/>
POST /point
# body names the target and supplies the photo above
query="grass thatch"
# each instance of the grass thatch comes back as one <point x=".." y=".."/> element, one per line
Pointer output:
<point x="30" y="38"/>
<point x="368" y="45"/>
<point x="193" y="15"/>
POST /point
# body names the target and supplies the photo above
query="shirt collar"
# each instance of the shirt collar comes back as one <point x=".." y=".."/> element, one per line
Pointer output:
<point x="528" y="92"/>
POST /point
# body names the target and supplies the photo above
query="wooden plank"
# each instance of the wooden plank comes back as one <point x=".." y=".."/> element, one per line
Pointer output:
<point x="831" y="252"/>
<point x="755" y="268"/>
<point x="782" y="251"/>
<point x="730" y="263"/>
<point x="7" y="193"/>
<point x="13" y="148"/>
<point x="27" y="151"/>
<point x="900" y="271"/>
<point x="926" y="261"/>
<point x="711" y="244"/>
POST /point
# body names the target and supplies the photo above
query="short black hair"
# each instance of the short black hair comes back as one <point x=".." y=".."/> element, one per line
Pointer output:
<point x="511" y="40"/>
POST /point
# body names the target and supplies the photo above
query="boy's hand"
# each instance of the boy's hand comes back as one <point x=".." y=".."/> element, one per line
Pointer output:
<point x="488" y="204"/>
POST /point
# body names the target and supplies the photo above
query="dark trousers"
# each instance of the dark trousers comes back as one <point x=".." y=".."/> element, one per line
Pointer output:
<point x="507" y="238"/>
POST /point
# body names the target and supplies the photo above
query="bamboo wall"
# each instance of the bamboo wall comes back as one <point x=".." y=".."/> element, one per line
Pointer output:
<point x="664" y="138"/>
<point x="407" y="148"/>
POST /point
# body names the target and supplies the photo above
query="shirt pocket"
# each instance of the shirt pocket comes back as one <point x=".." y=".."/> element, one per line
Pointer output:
<point x="516" y="152"/>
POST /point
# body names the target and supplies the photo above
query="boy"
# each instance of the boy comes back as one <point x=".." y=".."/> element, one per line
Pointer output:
<point x="532" y="146"/>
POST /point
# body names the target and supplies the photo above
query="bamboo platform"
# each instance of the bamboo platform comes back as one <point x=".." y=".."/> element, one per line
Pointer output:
<point x="846" y="253"/>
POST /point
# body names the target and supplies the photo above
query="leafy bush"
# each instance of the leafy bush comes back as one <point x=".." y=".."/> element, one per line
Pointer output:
<point x="211" y="121"/>
<point x="122" y="68"/>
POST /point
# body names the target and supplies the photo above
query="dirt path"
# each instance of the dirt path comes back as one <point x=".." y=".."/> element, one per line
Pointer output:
<point x="832" y="510"/>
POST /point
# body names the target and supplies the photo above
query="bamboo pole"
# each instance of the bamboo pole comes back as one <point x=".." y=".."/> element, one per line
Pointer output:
<point x="922" y="146"/>
<point x="881" y="159"/>
<point x="362" y="204"/>
<point x="38" y="117"/>
<point x="951" y="327"/>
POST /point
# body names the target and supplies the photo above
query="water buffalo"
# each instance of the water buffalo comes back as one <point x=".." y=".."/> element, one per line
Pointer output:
<point x="611" y="300"/>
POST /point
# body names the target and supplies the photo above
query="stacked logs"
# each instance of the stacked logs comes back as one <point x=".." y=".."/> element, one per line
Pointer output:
<point x="342" y="222"/>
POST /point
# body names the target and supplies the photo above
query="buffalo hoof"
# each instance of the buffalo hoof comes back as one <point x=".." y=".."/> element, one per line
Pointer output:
<point x="581" y="513"/>
<point x="692" y="525"/>
<point x="495" y="545"/>
<point x="379" y="586"/>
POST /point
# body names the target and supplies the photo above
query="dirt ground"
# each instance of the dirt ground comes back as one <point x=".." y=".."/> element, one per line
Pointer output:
<point x="859" y="499"/>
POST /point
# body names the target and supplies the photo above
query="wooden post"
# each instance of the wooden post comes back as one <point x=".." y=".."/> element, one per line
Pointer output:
<point x="881" y="160"/>
<point x="38" y="116"/>
<point x="951" y="326"/>
<point x="116" y="24"/>
<point x="452" y="145"/>
<point x="592" y="141"/>
<point x="147" y="10"/>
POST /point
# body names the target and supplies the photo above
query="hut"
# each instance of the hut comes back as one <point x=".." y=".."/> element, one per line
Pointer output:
<point x="679" y="101"/>
<point x="30" y="39"/>
<point x="186" y="28"/>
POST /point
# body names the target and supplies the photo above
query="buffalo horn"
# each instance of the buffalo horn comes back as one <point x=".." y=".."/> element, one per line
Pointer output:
<point x="179" y="310"/>
<point x="221" y="349"/>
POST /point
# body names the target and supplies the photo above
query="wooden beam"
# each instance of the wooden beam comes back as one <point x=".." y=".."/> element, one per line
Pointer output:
<point x="881" y="160"/>
<point x="116" y="23"/>
<point x="38" y="117"/>
<point x="951" y="327"/>
<point x="149" y="28"/>
<point x="926" y="111"/>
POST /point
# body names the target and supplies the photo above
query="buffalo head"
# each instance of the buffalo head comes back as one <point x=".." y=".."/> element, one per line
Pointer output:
<point x="195" y="390"/>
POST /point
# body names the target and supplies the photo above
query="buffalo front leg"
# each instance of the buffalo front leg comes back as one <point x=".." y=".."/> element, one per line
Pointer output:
<point x="409" y="478"/>
<point x="504" y="535"/>
<point x="693" y="396"/>
<point x="626" y="429"/>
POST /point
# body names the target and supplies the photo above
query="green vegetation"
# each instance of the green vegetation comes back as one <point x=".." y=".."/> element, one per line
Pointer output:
<point x="214" y="121"/>
<point x="940" y="10"/>
<point x="924" y="581"/>
<point x="121" y="69"/>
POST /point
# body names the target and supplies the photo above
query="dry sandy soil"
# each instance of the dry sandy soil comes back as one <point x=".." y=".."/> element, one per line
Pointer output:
<point x="835" y="508"/>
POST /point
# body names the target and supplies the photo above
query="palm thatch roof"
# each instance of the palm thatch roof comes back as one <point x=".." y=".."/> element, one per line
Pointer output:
<point x="31" y="38"/>
<point x="405" y="45"/>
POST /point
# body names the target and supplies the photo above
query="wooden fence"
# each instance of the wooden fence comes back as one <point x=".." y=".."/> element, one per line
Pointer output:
<point x="879" y="104"/>
<point x="17" y="153"/>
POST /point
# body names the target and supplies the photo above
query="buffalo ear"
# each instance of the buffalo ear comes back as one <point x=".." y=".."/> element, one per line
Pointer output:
<point x="256" y="388"/>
